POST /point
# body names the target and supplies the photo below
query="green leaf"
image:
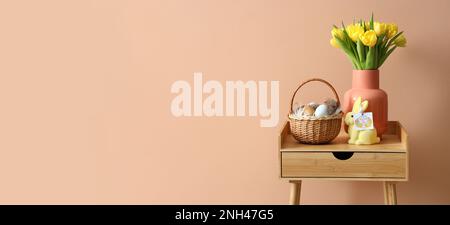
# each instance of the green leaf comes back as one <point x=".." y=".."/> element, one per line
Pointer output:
<point x="370" y="58"/>
<point x="371" y="22"/>
<point x="366" y="50"/>
<point x="380" y="53"/>
<point x="361" y="53"/>
<point x="375" y="58"/>
<point x="386" y="56"/>
<point x="354" y="62"/>
<point x="342" y="44"/>
<point x="389" y="43"/>
<point x="353" y="45"/>
<point x="348" y="52"/>
<point x="380" y="39"/>
<point x="346" y="38"/>
<point x="379" y="49"/>
<point x="384" y="47"/>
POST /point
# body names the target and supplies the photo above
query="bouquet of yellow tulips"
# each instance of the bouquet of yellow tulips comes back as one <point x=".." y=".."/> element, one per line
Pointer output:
<point x="367" y="44"/>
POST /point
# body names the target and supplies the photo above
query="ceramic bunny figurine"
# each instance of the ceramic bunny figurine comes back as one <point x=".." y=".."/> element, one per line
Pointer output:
<point x="360" y="137"/>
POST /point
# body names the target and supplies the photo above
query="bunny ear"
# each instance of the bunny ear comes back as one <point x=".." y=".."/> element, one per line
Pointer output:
<point x="356" y="105"/>
<point x="365" y="104"/>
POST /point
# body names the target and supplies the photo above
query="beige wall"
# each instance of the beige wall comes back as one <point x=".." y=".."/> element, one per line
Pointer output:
<point x="85" y="98"/>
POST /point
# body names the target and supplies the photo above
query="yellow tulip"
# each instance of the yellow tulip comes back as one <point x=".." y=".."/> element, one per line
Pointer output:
<point x="392" y="30"/>
<point x="367" y="25"/>
<point x="369" y="38"/>
<point x="354" y="31"/>
<point x="400" y="41"/>
<point x="339" y="33"/>
<point x="334" y="43"/>
<point x="380" y="28"/>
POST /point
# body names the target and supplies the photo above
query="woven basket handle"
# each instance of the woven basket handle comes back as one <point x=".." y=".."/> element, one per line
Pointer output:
<point x="315" y="79"/>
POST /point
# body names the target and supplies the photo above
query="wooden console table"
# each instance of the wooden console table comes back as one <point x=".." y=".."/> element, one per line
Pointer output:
<point x="386" y="162"/>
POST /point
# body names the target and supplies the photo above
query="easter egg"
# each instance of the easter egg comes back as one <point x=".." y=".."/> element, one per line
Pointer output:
<point x="332" y="105"/>
<point x="322" y="110"/>
<point x="308" y="110"/>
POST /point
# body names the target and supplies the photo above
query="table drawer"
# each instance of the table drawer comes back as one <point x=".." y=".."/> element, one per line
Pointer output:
<point x="356" y="165"/>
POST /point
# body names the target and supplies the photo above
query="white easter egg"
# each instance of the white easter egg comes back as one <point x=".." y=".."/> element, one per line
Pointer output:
<point x="322" y="110"/>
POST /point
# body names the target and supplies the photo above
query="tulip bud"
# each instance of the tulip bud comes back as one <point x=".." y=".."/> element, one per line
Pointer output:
<point x="400" y="41"/>
<point x="392" y="30"/>
<point x="354" y="31"/>
<point x="369" y="38"/>
<point x="380" y="28"/>
<point x="337" y="33"/>
<point x="334" y="43"/>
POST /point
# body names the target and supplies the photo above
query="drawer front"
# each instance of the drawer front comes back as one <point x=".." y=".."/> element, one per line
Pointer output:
<point x="359" y="165"/>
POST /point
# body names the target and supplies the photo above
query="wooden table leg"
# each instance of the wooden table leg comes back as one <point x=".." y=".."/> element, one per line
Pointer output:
<point x="296" y="186"/>
<point x="390" y="195"/>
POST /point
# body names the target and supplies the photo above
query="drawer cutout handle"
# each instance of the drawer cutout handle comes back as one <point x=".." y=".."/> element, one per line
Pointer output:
<point x="343" y="155"/>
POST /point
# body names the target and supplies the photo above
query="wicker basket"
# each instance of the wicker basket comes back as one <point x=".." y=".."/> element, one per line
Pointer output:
<point x="315" y="130"/>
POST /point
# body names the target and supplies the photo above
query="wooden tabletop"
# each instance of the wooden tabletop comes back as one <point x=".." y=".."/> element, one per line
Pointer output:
<point x="394" y="140"/>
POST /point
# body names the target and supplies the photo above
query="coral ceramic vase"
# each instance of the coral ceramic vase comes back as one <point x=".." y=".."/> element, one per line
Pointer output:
<point x="365" y="83"/>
